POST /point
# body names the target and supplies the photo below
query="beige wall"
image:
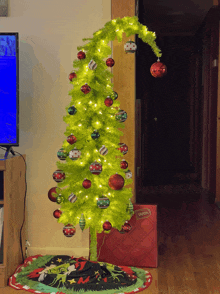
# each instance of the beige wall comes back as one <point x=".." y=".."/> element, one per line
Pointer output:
<point x="49" y="33"/>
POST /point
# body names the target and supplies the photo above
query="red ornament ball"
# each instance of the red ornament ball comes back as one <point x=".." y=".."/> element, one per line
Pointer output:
<point x="95" y="168"/>
<point x="81" y="55"/>
<point x="57" y="213"/>
<point x="124" y="164"/>
<point x="107" y="226"/>
<point x="126" y="227"/>
<point x="110" y="62"/>
<point x="85" y="89"/>
<point x="59" y="176"/>
<point x="72" y="76"/>
<point x="54" y="190"/>
<point x="108" y="101"/>
<point x="69" y="230"/>
<point x="86" y="184"/>
<point x="123" y="148"/>
<point x="116" y="182"/>
<point x="71" y="139"/>
<point x="158" y="69"/>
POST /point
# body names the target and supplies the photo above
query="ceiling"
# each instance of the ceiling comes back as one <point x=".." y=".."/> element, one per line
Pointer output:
<point x="173" y="17"/>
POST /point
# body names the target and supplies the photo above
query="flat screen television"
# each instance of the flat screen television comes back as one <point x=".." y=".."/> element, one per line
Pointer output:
<point x="9" y="90"/>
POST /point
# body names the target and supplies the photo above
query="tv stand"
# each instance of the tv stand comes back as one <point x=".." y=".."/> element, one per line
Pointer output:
<point x="12" y="196"/>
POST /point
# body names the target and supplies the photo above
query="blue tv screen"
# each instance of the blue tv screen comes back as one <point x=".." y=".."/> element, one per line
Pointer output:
<point x="9" y="92"/>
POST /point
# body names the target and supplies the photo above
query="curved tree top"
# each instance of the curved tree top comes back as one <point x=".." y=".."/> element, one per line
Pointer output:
<point x="115" y="29"/>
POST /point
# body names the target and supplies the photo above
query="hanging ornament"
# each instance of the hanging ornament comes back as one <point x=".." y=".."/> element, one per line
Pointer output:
<point x="53" y="193"/>
<point x="158" y="69"/>
<point x="71" y="139"/>
<point x="128" y="175"/>
<point x="81" y="55"/>
<point x="92" y="65"/>
<point x="72" y="198"/>
<point x="130" y="47"/>
<point x="72" y="76"/>
<point x="108" y="101"/>
<point x="57" y="213"/>
<point x="86" y="184"/>
<point x="69" y="230"/>
<point x="130" y="207"/>
<point x="59" y="176"/>
<point x="72" y="110"/>
<point x="126" y="227"/>
<point x="95" y="168"/>
<point x="103" y="150"/>
<point x="121" y="116"/>
<point x="62" y="154"/>
<point x="95" y="135"/>
<point x="110" y="62"/>
<point x="74" y="154"/>
<point x="123" y="148"/>
<point x="85" y="89"/>
<point x="114" y="95"/>
<point x="124" y="164"/>
<point x="103" y="202"/>
<point x="60" y="199"/>
<point x="116" y="182"/>
<point x="82" y="222"/>
<point x="107" y="226"/>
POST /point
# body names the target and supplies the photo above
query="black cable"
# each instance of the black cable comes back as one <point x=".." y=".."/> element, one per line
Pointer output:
<point x="24" y="205"/>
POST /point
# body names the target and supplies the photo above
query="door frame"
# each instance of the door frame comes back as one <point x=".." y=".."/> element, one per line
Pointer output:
<point x="124" y="85"/>
<point x="209" y="32"/>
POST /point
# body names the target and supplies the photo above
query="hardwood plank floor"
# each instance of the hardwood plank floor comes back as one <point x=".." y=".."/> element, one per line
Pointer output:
<point x="189" y="242"/>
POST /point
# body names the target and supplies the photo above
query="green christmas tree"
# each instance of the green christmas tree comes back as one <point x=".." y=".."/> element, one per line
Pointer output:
<point x="88" y="196"/>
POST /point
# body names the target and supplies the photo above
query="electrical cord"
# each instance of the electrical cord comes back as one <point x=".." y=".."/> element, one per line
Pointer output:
<point x="24" y="204"/>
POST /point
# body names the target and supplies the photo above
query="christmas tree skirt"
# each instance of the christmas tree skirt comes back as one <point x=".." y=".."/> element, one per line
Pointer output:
<point x="62" y="274"/>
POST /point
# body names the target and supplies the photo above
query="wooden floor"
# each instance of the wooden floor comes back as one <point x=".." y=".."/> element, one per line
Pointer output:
<point x="189" y="243"/>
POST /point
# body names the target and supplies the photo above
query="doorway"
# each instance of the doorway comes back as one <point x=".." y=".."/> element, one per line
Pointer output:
<point x="165" y="102"/>
<point x="178" y="111"/>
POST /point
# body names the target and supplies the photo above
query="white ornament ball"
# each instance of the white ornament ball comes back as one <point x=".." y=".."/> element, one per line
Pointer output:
<point x="103" y="150"/>
<point x="130" y="47"/>
<point x="128" y="175"/>
<point x="92" y="65"/>
<point x="72" y="198"/>
<point x="74" y="154"/>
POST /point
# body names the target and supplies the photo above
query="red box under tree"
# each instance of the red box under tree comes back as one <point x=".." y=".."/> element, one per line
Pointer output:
<point x="136" y="248"/>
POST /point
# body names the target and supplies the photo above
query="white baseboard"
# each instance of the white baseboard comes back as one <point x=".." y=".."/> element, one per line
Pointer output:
<point x="76" y="252"/>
